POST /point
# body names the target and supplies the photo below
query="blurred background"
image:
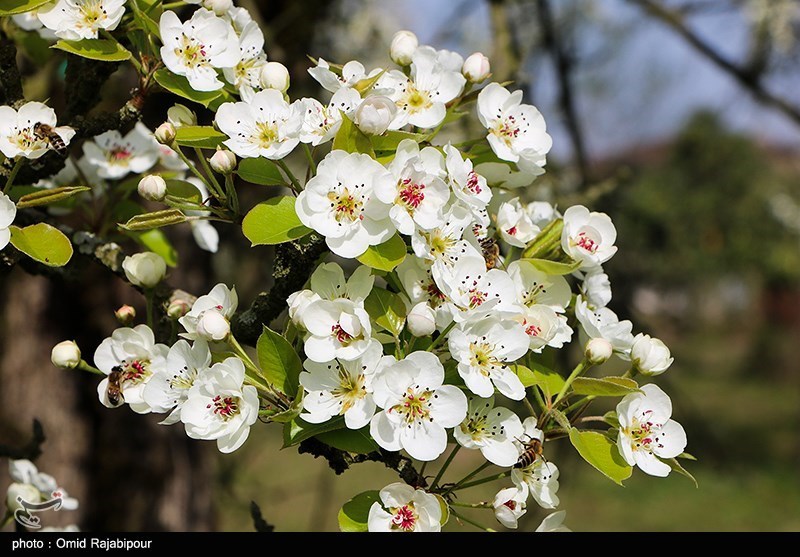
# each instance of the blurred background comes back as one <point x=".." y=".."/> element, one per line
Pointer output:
<point x="679" y="118"/>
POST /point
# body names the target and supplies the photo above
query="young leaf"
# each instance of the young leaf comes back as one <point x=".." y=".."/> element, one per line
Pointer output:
<point x="260" y="171"/>
<point x="605" y="386"/>
<point x="156" y="241"/>
<point x="355" y="441"/>
<point x="351" y="139"/>
<point x="273" y="222"/>
<point x="279" y="361"/>
<point x="354" y="514"/>
<point x="390" y="140"/>
<point x="297" y="430"/>
<point x="543" y="377"/>
<point x="602" y="453"/>
<point x="204" y="137"/>
<point x="157" y="219"/>
<point x="386" y="256"/>
<point x="46" y="197"/>
<point x="13" y="7"/>
<point x="676" y="467"/>
<point x="43" y="243"/>
<point x="180" y="86"/>
<point x="553" y="267"/>
<point x="387" y="309"/>
<point x="95" y="49"/>
<point x="185" y="191"/>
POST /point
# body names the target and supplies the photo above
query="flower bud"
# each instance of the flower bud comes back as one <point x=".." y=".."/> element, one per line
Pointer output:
<point x="26" y="492"/>
<point x="125" y="315"/>
<point x="223" y="161"/>
<point x="165" y="133"/>
<point x="404" y="44"/>
<point x="212" y="325"/>
<point x="375" y="114"/>
<point x="66" y="355"/>
<point x="598" y="350"/>
<point x="219" y="7"/>
<point x="650" y="355"/>
<point x="153" y="187"/>
<point x="476" y="68"/>
<point x="274" y="75"/>
<point x="177" y="308"/>
<point x="145" y="269"/>
<point x="421" y="320"/>
<point x="298" y="302"/>
<point x="178" y="115"/>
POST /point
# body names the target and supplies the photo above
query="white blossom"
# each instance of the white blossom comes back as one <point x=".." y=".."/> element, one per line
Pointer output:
<point x="469" y="187"/>
<point x="554" y="522"/>
<point x="537" y="288"/>
<point x="403" y="46"/>
<point x="650" y="355"/>
<point x="544" y="327"/>
<point x="8" y="212"/>
<point x="66" y="354"/>
<point x="338" y="329"/>
<point x="144" y="269"/>
<point x="351" y="74"/>
<point x="247" y="71"/>
<point x="114" y="156"/>
<point x="320" y="123"/>
<point x="375" y="114"/>
<point x="538" y="479"/>
<point x="418" y="284"/>
<point x="405" y="509"/>
<point x="275" y="75"/>
<point x="490" y="429"/>
<point x="168" y="389"/>
<point x="474" y="291"/>
<point x="514" y="224"/>
<point x="18" y="132"/>
<point x="509" y="505"/>
<point x="74" y="20"/>
<point x="596" y="287"/>
<point x="588" y="237"/>
<point x="604" y="323"/>
<point x="221" y="299"/>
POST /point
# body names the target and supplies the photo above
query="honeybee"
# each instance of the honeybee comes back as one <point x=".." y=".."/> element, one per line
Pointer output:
<point x="490" y="251"/>
<point x="47" y="133"/>
<point x="532" y="451"/>
<point x="114" y="388"/>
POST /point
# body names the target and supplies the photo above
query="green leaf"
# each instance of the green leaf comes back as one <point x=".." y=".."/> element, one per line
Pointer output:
<point x="356" y="441"/>
<point x="611" y="418"/>
<point x="260" y="171"/>
<point x="351" y="139"/>
<point x="180" y="86"/>
<point x="279" y="361"/>
<point x="298" y="430"/>
<point x="184" y="191"/>
<point x="43" y="243"/>
<point x="390" y="140"/>
<point x="599" y="451"/>
<point x="605" y="386"/>
<point x="273" y="221"/>
<point x="95" y="49"/>
<point x="46" y="197"/>
<point x="560" y="418"/>
<point x="386" y="309"/>
<point x="445" y="509"/>
<point x="13" y="7"/>
<point x="144" y="13"/>
<point x="386" y="256"/>
<point x="291" y="413"/>
<point x="204" y="137"/>
<point x="543" y="377"/>
<point x="157" y="219"/>
<point x="354" y="514"/>
<point x="363" y="86"/>
<point x="156" y="241"/>
<point x="687" y="456"/>
<point x="676" y="467"/>
<point x="553" y="267"/>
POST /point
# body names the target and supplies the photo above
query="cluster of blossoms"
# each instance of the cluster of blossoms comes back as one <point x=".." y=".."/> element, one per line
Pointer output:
<point x="458" y="287"/>
<point x="31" y="490"/>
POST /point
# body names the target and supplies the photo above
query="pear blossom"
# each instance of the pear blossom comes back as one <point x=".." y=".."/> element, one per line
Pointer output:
<point x="650" y="355"/>
<point x="416" y="406"/>
<point x="25" y="472"/>
<point x="265" y="125"/>
<point x="328" y="283"/>
<point x="375" y="114"/>
<point x="29" y="21"/>
<point x="18" y="492"/>
<point x="539" y="478"/>
<point x="144" y="269"/>
<point x="223" y="162"/>
<point x="476" y="68"/>
<point x="484" y="350"/>
<point x="509" y="505"/>
<point x="341" y="387"/>
<point x="403" y="46"/>
<point x="474" y="291"/>
<point x="515" y="225"/>
<point x="537" y="288"/>
<point x="203" y="232"/>
<point x="274" y="75"/>
<point x="418" y="193"/>
<point x="134" y="354"/>
<point x="418" y="284"/>
<point x="320" y="123"/>
<point x="338" y="329"/>
<point x="421" y="320"/>
<point x="197" y="47"/>
<point x="219" y="407"/>
<point x="340" y="204"/>
<point x="588" y="237"/>
<point x="115" y="155"/>
<point x="468" y="186"/>
<point x="444" y="245"/>
<point x="490" y="429"/>
<point x="352" y="73"/>
<point x="168" y="389"/>
<point x="221" y="299"/>
<point x="74" y="20"/>
<point x="18" y="137"/>
<point x="596" y="287"/>
<point x="405" y="509"/>
<point x="646" y="432"/>
<point x="66" y="355"/>
<point x="8" y="212"/>
<point x="554" y="522"/>
<point x="598" y="351"/>
<point x="544" y="327"/>
<point x="247" y="71"/>
<point x="517" y="132"/>
<point x="180" y="115"/>
<point x="501" y="175"/>
<point x="604" y="323"/>
<point x="421" y="96"/>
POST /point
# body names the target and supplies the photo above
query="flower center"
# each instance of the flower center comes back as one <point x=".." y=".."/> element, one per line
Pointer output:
<point x="475" y="427"/>
<point x="341" y="335"/>
<point x="644" y="433"/>
<point x="346" y="206"/>
<point x="193" y="53"/>
<point x="511" y="504"/>
<point x="135" y="372"/>
<point x="266" y="134"/>
<point x="350" y="390"/>
<point x="507" y="130"/>
<point x="224" y="407"/>
<point x="415" y="406"/>
<point x="415" y="100"/>
<point x="92" y="13"/>
<point x="404" y="518"/>
<point x="183" y="380"/>
<point x="472" y="183"/>
<point x="588" y="240"/>
<point x="411" y="194"/>
<point x="435" y="296"/>
<point x="483" y="357"/>
<point x="531" y="329"/>
<point x="476" y="298"/>
<point x="530" y="297"/>
<point x="25" y="139"/>
<point x="119" y="154"/>
<point x="440" y="244"/>
<point x="512" y="231"/>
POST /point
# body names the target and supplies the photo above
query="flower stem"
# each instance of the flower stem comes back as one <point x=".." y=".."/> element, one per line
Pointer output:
<point x="230" y="191"/>
<point x="579" y="369"/>
<point x="482" y="481"/>
<point x="441" y="337"/>
<point x="207" y="167"/>
<point x="447" y="462"/>
<point x="17" y="165"/>
<point x="631" y="373"/>
<point x="239" y="351"/>
<point x="216" y="193"/>
<point x="529" y="406"/>
<point x="312" y="166"/>
<point x="469" y="521"/>
<point x="292" y="178"/>
<point x="85" y="366"/>
<point x="469" y="476"/>
<point x="481" y="505"/>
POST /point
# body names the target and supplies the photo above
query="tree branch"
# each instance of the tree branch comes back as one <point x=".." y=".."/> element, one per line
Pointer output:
<point x="10" y="80"/>
<point x="749" y="79"/>
<point x="30" y="450"/>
